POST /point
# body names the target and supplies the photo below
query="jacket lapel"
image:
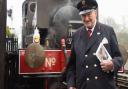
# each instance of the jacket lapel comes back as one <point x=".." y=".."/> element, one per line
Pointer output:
<point x="83" y="40"/>
<point x="94" y="37"/>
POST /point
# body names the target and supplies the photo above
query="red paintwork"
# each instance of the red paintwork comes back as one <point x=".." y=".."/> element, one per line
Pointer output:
<point x="54" y="63"/>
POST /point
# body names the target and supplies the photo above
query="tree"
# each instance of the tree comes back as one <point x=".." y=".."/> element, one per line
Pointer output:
<point x="9" y="34"/>
<point x="120" y="29"/>
<point x="110" y="21"/>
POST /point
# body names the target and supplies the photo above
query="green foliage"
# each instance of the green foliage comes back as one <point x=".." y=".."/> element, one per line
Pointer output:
<point x="8" y="32"/>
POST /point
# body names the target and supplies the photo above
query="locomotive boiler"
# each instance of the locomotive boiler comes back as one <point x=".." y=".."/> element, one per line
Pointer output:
<point x="53" y="18"/>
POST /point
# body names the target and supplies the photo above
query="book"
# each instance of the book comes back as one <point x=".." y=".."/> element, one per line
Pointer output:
<point x="102" y="53"/>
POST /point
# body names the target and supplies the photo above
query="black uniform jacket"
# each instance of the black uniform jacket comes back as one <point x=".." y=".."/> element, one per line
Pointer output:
<point x="84" y="70"/>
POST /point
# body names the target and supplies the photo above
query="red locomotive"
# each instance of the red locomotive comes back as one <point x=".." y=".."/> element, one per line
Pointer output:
<point x="56" y="20"/>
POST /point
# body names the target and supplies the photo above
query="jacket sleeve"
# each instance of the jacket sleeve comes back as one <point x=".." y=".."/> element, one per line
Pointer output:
<point x="71" y="68"/>
<point x="116" y="55"/>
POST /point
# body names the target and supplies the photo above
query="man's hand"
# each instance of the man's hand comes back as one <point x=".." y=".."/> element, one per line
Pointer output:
<point x="106" y="65"/>
<point x="72" y="88"/>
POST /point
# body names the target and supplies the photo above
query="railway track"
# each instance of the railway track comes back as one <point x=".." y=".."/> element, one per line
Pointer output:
<point x="122" y="81"/>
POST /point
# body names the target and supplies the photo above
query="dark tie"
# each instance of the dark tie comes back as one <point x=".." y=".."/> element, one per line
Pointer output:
<point x="89" y="33"/>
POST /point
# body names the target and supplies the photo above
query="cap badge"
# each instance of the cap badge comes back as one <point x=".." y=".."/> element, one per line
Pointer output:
<point x="84" y="3"/>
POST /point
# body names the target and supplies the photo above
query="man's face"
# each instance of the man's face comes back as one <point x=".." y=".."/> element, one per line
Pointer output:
<point x="89" y="19"/>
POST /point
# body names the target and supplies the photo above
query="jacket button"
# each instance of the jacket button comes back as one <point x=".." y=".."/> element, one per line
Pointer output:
<point x="87" y="78"/>
<point x="95" y="65"/>
<point x="94" y="54"/>
<point x="86" y="55"/>
<point x="86" y="66"/>
<point x="96" y="77"/>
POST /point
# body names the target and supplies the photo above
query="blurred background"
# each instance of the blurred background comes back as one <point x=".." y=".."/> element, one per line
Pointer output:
<point x="112" y="12"/>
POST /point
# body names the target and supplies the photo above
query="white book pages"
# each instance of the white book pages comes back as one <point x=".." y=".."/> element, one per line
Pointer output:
<point x="102" y="53"/>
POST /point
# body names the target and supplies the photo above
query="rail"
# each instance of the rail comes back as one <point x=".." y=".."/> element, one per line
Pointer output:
<point x="122" y="81"/>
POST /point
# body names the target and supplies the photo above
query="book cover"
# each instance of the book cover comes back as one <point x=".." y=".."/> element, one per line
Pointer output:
<point x="102" y="53"/>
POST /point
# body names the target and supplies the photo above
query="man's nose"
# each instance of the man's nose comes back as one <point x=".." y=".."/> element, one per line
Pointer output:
<point x="86" y="18"/>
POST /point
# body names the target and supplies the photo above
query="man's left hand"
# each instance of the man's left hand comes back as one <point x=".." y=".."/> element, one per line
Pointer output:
<point x="106" y="65"/>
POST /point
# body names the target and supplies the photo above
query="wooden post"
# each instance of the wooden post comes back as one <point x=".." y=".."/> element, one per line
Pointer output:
<point x="2" y="42"/>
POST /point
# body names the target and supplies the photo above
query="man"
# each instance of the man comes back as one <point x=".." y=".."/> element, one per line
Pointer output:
<point x="84" y="70"/>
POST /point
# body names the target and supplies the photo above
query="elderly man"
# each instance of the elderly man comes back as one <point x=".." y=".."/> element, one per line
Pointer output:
<point x="84" y="70"/>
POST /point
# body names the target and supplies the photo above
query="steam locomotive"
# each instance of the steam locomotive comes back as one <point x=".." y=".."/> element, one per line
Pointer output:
<point x="53" y="20"/>
<point x="56" y="20"/>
